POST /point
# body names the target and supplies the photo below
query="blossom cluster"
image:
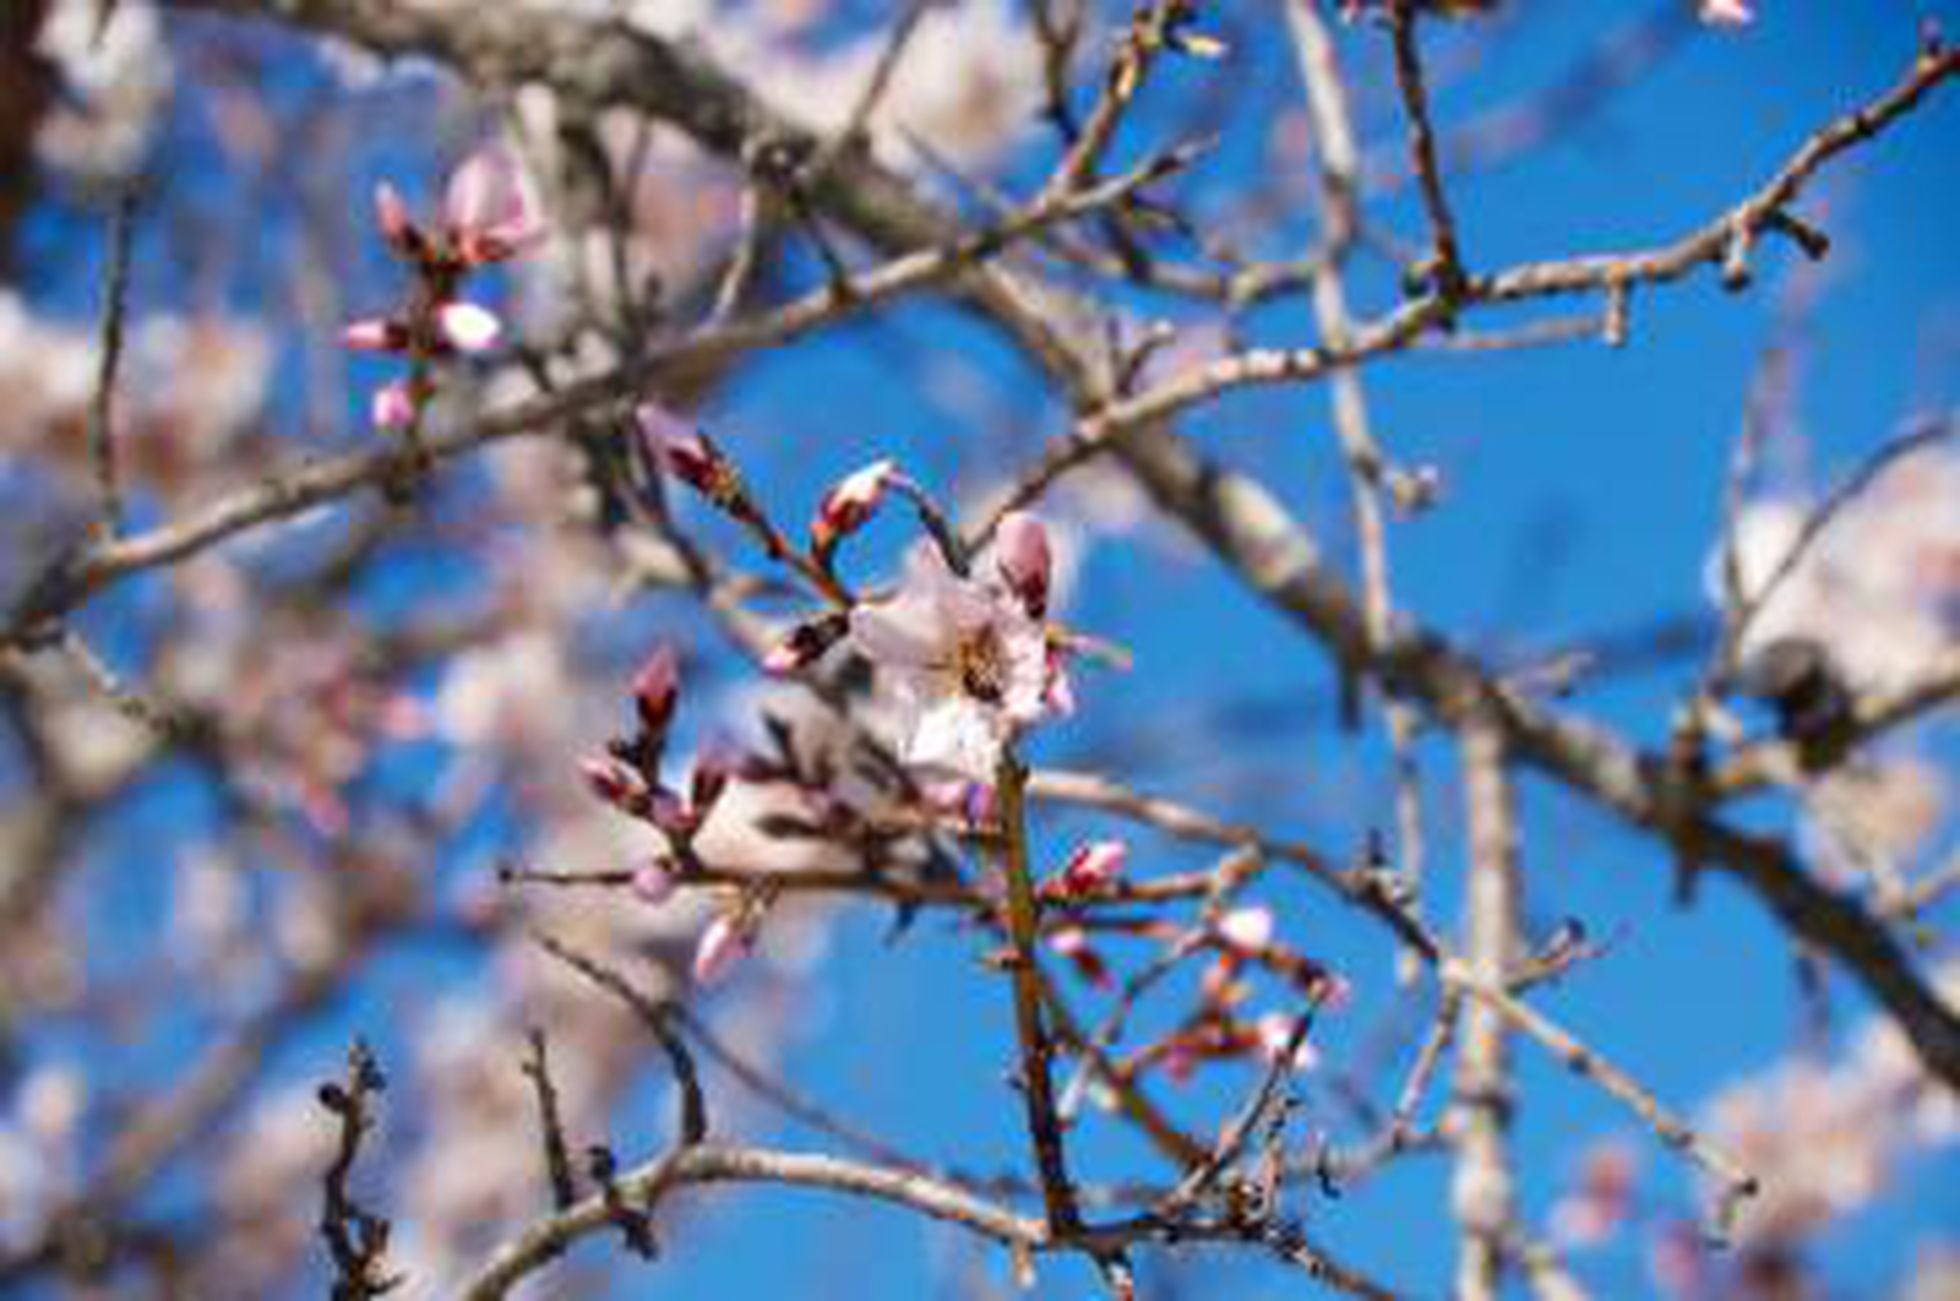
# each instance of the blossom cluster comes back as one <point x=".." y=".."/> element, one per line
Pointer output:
<point x="488" y="216"/>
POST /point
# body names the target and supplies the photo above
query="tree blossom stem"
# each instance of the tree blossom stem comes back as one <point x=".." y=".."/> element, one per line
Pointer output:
<point x="1037" y="1049"/>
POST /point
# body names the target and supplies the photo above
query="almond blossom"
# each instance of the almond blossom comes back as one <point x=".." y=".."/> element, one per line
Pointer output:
<point x="969" y="661"/>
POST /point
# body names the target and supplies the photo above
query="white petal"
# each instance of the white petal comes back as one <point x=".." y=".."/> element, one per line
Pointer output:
<point x="901" y="632"/>
<point x="956" y="735"/>
<point x="469" y="328"/>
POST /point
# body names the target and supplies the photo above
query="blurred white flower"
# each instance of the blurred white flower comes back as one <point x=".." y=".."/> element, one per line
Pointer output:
<point x="1878" y="587"/>
<point x="118" y="78"/>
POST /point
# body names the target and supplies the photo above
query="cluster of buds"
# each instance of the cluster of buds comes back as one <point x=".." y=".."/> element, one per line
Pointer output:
<point x="628" y="776"/>
<point x="1217" y="1029"/>
<point x="971" y="657"/>
<point x="487" y="217"/>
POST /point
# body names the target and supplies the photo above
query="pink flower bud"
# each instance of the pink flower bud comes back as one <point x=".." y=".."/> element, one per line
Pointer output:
<point x="467" y="327"/>
<point x="806" y="643"/>
<point x="656" y="687"/>
<point x="615" y="783"/>
<point x="1092" y="868"/>
<point x="393" y="407"/>
<point x="487" y="210"/>
<point x="653" y="883"/>
<point x="720" y="947"/>
<point x="681" y="448"/>
<point x="391" y="215"/>
<point x="850" y="503"/>
<point x="376" y="334"/>
<point x="1247" y="930"/>
<point x="1021" y="552"/>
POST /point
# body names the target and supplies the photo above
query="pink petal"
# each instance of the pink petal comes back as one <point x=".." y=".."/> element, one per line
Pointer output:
<point x="900" y="632"/>
<point x="486" y="208"/>
<point x="653" y="883"/>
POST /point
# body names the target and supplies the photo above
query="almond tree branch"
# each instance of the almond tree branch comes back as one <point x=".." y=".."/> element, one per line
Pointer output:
<point x="1483" y="1195"/>
<point x="604" y="63"/>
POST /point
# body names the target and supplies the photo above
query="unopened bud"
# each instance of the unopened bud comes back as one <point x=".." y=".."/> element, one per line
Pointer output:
<point x="1021" y="552"/>
<point x="806" y="643"/>
<point x="849" y="503"/>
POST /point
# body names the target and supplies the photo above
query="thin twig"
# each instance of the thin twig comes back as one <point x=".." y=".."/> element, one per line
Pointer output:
<point x="115" y="306"/>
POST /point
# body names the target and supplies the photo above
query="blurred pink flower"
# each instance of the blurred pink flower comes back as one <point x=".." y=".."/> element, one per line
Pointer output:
<point x="487" y="210"/>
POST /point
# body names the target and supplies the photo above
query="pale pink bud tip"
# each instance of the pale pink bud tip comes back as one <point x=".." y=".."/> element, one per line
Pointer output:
<point x="721" y="946"/>
<point x="375" y="335"/>
<point x="678" y="446"/>
<point x="653" y="883"/>
<point x="805" y="644"/>
<point x="1021" y="548"/>
<point x="393" y="407"/>
<point x="1095" y="867"/>
<point x="487" y="210"/>
<point x="391" y="214"/>
<point x="1727" y="13"/>
<point x="1069" y="941"/>
<point x="656" y="687"/>
<point x="1247" y="929"/>
<point x="467" y="327"/>
<point x="852" y="501"/>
